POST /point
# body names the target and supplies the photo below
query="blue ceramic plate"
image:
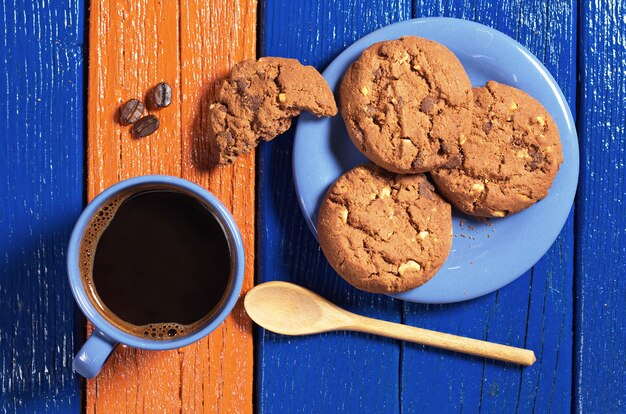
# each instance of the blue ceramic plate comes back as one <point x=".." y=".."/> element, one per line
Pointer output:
<point x="485" y="256"/>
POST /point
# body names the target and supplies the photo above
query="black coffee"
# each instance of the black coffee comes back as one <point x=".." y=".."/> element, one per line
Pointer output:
<point x="161" y="263"/>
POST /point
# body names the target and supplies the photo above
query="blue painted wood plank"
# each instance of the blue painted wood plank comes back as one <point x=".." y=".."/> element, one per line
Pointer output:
<point x="536" y="310"/>
<point x="41" y="194"/>
<point x="335" y="372"/>
<point x="600" y="324"/>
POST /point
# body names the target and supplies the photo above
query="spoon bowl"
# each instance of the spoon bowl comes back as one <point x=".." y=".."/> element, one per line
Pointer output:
<point x="290" y="309"/>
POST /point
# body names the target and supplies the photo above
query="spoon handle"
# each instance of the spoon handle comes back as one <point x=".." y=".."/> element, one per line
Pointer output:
<point x="450" y="342"/>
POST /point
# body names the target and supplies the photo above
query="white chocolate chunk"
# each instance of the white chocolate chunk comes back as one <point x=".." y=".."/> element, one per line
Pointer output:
<point x="410" y="265"/>
<point x="541" y="120"/>
<point x="343" y="215"/>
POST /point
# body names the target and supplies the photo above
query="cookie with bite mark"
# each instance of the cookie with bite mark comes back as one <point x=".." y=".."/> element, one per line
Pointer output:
<point x="257" y="101"/>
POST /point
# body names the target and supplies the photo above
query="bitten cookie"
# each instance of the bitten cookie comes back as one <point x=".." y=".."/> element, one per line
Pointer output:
<point x="384" y="232"/>
<point x="510" y="159"/>
<point x="257" y="101"/>
<point x="407" y="104"/>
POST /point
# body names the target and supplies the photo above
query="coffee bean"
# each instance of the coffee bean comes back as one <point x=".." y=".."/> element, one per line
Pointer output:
<point x="162" y="95"/>
<point x="131" y="112"/>
<point x="146" y="126"/>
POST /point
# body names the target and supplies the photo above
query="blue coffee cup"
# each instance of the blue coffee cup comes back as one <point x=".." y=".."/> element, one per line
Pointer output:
<point x="107" y="336"/>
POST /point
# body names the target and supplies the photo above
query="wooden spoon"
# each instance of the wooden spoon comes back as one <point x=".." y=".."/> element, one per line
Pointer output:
<point x="290" y="309"/>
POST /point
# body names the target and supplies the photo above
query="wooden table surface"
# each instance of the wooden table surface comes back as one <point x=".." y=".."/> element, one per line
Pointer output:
<point x="65" y="67"/>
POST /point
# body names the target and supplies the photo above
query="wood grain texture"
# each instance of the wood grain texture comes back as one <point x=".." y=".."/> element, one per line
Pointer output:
<point x="190" y="45"/>
<point x="536" y="310"/>
<point x="41" y="108"/>
<point x="41" y="194"/>
<point x="600" y="378"/>
<point x="332" y="372"/>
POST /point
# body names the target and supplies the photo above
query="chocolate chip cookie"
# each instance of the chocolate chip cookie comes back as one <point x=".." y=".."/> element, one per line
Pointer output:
<point x="257" y="101"/>
<point x="510" y="159"/>
<point x="384" y="232"/>
<point x="407" y="104"/>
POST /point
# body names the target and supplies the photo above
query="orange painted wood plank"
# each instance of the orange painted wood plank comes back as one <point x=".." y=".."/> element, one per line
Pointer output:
<point x="190" y="45"/>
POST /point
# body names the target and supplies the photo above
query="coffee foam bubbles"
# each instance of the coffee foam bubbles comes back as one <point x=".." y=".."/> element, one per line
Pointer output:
<point x="164" y="330"/>
<point x="94" y="230"/>
<point x="95" y="227"/>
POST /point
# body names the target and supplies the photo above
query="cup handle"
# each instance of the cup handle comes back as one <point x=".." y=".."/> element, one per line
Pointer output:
<point x="93" y="354"/>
